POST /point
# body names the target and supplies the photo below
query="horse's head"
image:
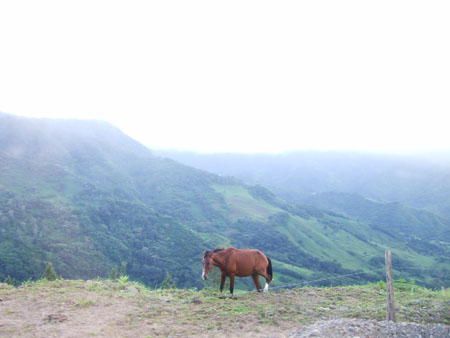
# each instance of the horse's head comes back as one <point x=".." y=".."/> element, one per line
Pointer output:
<point x="207" y="263"/>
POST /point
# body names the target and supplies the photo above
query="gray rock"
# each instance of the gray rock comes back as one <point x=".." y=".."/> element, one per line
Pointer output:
<point x="371" y="328"/>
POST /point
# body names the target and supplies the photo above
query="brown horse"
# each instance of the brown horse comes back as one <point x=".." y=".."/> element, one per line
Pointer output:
<point x="238" y="262"/>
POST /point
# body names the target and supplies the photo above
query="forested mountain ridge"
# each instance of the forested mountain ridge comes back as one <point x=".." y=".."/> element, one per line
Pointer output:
<point x="392" y="217"/>
<point x="86" y="197"/>
<point x="84" y="194"/>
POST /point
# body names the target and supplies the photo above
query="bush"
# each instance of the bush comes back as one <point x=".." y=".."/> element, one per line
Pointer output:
<point x="167" y="283"/>
<point x="123" y="269"/>
<point x="113" y="275"/>
<point x="49" y="273"/>
<point x="8" y="280"/>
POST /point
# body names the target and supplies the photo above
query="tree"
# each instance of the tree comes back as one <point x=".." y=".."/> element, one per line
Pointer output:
<point x="8" y="280"/>
<point x="123" y="269"/>
<point x="113" y="275"/>
<point x="49" y="273"/>
<point x="167" y="283"/>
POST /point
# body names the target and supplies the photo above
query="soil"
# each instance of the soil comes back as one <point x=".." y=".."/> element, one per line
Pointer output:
<point x="112" y="309"/>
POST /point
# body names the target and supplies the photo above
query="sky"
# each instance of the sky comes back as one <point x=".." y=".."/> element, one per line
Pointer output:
<point x="235" y="76"/>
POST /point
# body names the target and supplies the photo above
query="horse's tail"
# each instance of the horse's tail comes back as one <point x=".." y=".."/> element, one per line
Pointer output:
<point x="269" y="270"/>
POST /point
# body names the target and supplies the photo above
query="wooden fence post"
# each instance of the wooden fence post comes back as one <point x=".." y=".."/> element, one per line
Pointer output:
<point x="390" y="315"/>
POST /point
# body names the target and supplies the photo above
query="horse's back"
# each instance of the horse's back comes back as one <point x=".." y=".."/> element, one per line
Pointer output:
<point x="247" y="261"/>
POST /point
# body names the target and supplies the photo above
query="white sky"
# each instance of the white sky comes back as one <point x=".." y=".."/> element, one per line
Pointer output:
<point x="245" y="76"/>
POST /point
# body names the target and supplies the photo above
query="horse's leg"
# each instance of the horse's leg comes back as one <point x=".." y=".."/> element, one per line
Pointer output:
<point x="266" y="287"/>
<point x="223" y="276"/>
<point x="231" y="283"/>
<point x="264" y="274"/>
<point x="256" y="281"/>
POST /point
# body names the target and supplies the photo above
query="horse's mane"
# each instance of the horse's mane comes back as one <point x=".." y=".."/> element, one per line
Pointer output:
<point x="207" y="253"/>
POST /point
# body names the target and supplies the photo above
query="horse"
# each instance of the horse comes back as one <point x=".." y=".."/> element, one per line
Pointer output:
<point x="238" y="262"/>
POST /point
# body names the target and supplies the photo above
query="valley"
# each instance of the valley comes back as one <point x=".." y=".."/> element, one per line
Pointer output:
<point x="86" y="197"/>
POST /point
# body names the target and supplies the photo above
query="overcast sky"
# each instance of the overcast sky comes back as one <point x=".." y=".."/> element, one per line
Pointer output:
<point x="246" y="76"/>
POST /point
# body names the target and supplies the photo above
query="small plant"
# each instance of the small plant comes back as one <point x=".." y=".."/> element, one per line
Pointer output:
<point x="381" y="284"/>
<point x="123" y="279"/>
<point x="402" y="284"/>
<point x="113" y="275"/>
<point x="8" y="280"/>
<point x="49" y="273"/>
<point x="85" y="302"/>
<point x="167" y="283"/>
<point x="123" y="269"/>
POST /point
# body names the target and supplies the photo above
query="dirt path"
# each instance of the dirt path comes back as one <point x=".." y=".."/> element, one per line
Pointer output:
<point x="93" y="309"/>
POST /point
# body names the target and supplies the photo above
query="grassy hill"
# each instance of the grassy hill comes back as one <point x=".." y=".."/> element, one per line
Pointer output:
<point x="74" y="308"/>
<point x="392" y="217"/>
<point x="86" y="197"/>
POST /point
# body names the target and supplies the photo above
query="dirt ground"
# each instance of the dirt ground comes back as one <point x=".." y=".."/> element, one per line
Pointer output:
<point x="88" y="309"/>
<point x="112" y="309"/>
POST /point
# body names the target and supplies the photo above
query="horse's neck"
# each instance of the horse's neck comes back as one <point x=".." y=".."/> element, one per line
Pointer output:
<point x="219" y="261"/>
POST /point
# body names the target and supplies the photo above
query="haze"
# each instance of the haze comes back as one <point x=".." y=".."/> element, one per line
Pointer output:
<point x="253" y="76"/>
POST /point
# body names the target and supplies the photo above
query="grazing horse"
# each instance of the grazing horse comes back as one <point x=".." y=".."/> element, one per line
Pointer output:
<point x="238" y="262"/>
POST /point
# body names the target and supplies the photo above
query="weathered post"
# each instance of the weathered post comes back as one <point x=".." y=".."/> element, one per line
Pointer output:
<point x="390" y="315"/>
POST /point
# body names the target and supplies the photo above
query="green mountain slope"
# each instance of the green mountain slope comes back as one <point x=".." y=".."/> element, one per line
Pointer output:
<point x="86" y="197"/>
<point x="391" y="217"/>
<point x="418" y="180"/>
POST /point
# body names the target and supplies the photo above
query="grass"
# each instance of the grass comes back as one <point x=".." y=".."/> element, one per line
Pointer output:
<point x="84" y="302"/>
<point x="243" y="205"/>
<point x="164" y="312"/>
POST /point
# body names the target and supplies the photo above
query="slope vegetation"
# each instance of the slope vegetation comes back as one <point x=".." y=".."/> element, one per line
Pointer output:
<point x="86" y="197"/>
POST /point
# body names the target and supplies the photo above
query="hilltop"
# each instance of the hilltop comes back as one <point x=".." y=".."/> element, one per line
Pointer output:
<point x="86" y="197"/>
<point x="75" y="308"/>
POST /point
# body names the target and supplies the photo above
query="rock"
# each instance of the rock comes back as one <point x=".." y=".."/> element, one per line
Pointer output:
<point x="371" y="328"/>
<point x="56" y="318"/>
<point x="132" y="289"/>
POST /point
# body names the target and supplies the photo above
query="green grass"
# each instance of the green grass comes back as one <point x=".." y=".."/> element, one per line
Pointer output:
<point x="190" y="312"/>
<point x="243" y="205"/>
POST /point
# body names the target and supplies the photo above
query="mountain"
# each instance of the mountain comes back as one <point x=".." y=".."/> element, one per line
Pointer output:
<point x="418" y="180"/>
<point x="419" y="229"/>
<point x="86" y="197"/>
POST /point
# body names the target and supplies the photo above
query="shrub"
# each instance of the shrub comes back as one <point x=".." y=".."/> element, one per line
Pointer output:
<point x="49" y="273"/>
<point x="167" y="283"/>
<point x="113" y="275"/>
<point x="8" y="280"/>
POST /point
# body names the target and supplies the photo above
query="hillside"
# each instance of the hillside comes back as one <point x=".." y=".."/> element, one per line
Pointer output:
<point x="74" y="308"/>
<point x="86" y="197"/>
<point x="391" y="217"/>
<point x="418" y="180"/>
